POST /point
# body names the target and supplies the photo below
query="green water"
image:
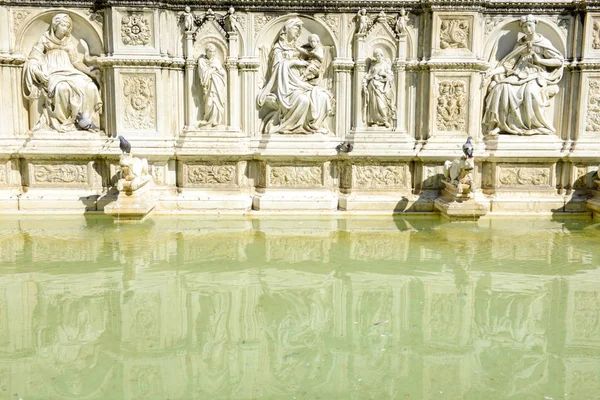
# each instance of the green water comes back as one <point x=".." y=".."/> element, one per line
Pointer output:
<point x="299" y="308"/>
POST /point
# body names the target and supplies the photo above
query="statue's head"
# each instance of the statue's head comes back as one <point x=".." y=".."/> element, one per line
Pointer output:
<point x="291" y="29"/>
<point x="528" y="24"/>
<point x="378" y="55"/>
<point x="314" y="40"/>
<point x="211" y="50"/>
<point x="61" y="25"/>
<point x="188" y="9"/>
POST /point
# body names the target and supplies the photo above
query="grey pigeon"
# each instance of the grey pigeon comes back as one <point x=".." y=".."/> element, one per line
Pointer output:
<point x="468" y="148"/>
<point x="124" y="145"/>
<point x="86" y="123"/>
<point x="345" y="147"/>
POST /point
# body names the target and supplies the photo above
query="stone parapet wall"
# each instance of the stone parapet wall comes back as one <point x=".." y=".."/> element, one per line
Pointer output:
<point x="235" y="113"/>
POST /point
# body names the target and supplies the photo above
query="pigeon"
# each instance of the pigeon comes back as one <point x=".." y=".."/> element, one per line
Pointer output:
<point x="345" y="147"/>
<point x="124" y="145"/>
<point x="468" y="148"/>
<point x="86" y="123"/>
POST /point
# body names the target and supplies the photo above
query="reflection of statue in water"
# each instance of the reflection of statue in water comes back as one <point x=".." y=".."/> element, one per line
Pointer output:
<point x="522" y="86"/>
<point x="54" y="75"/>
<point x="289" y="103"/>
<point x="212" y="78"/>
<point x="378" y="92"/>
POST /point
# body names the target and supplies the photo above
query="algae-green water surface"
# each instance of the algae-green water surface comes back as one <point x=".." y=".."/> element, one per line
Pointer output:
<point x="299" y="308"/>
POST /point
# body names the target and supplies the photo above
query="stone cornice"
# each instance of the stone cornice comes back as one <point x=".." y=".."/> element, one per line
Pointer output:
<point x="175" y="63"/>
<point x="505" y="6"/>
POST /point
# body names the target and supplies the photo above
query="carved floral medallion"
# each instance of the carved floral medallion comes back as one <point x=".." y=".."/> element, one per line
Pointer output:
<point x="135" y="30"/>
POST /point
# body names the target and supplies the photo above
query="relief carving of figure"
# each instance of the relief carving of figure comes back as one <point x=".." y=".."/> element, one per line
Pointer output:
<point x="378" y="92"/>
<point x="65" y="85"/>
<point x="522" y="86"/>
<point x="212" y="78"/>
<point x="291" y="101"/>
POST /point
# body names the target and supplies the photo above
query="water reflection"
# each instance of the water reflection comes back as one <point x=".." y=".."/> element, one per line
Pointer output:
<point x="353" y="308"/>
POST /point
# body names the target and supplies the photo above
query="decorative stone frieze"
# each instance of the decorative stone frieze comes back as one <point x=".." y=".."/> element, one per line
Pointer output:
<point x="295" y="176"/>
<point x="210" y="175"/>
<point x="60" y="174"/>
<point x="139" y="98"/>
<point x="524" y="176"/>
<point x="380" y="176"/>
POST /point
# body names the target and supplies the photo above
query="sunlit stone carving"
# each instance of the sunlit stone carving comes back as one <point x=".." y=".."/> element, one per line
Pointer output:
<point x="522" y="85"/>
<point x="378" y="92"/>
<point x="290" y="101"/>
<point x="212" y="78"/>
<point x="58" y="82"/>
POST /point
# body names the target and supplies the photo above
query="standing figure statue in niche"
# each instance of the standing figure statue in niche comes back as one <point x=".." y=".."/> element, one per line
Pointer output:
<point x="212" y="78"/>
<point x="60" y="81"/>
<point x="378" y="92"/>
<point x="291" y="101"/>
<point x="522" y="86"/>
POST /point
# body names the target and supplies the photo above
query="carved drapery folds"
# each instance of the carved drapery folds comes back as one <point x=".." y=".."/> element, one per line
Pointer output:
<point x="294" y="98"/>
<point x="61" y="84"/>
<point x="522" y="85"/>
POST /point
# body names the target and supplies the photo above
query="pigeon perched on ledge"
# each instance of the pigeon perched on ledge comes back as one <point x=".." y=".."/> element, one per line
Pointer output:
<point x="468" y="148"/>
<point x="345" y="147"/>
<point x="86" y="123"/>
<point x="124" y="145"/>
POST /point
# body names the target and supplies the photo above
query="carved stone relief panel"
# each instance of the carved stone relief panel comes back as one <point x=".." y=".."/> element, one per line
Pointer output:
<point x="136" y="29"/>
<point x="295" y="176"/>
<point x="596" y="33"/>
<point x="58" y="174"/>
<point x="454" y="34"/>
<point x="220" y="174"/>
<point x="524" y="176"/>
<point x="451" y="108"/>
<point x="384" y="176"/>
<point x="592" y="116"/>
<point x="491" y="23"/>
<point x="139" y="101"/>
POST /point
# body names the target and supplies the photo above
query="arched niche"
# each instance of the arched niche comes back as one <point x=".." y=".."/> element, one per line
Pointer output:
<point x="269" y="34"/>
<point x="200" y="51"/>
<point x="503" y="39"/>
<point x="34" y="28"/>
<point x="411" y="48"/>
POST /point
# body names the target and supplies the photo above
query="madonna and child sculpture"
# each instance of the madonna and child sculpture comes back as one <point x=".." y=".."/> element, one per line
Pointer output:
<point x="522" y="86"/>
<point x="378" y="92"/>
<point x="64" y="86"/>
<point x="291" y="101"/>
